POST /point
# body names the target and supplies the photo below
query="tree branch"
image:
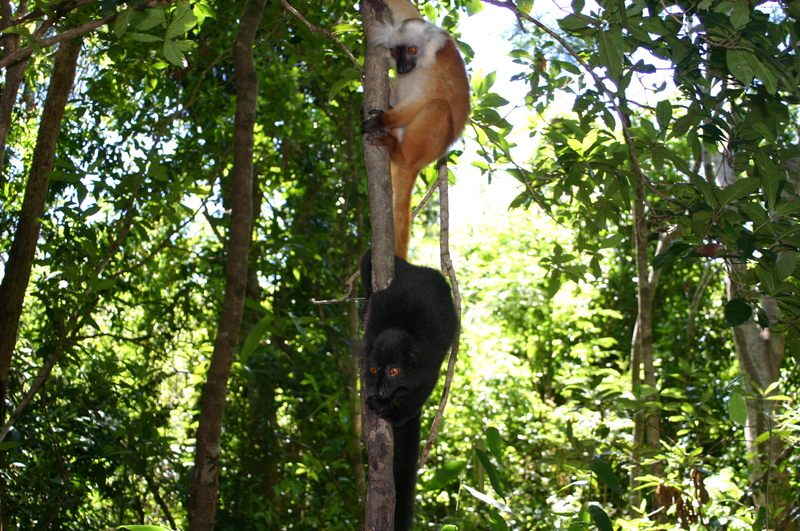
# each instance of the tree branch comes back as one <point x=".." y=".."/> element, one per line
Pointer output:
<point x="447" y="267"/>
<point x="24" y="53"/>
<point x="326" y="32"/>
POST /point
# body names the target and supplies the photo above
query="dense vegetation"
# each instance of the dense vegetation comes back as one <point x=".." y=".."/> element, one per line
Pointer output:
<point x="629" y="354"/>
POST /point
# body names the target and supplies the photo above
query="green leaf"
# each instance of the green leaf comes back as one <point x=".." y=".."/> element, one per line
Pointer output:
<point x="673" y="252"/>
<point x="612" y="48"/>
<point x="105" y="284"/>
<point x="183" y="21"/>
<point x="600" y="518"/>
<point x="494" y="100"/>
<point x="525" y="6"/>
<point x="488" y="499"/>
<point x="739" y="66"/>
<point x="173" y="52"/>
<point x="152" y="18"/>
<point x="339" y="85"/>
<point x="740" y="15"/>
<point x="144" y="37"/>
<point x="739" y="189"/>
<point x="553" y="283"/>
<point x="496" y="521"/>
<point x="8" y="445"/>
<point x="143" y="528"/>
<point x="474" y="7"/>
<point x="494" y="479"/>
<point x="761" y="318"/>
<point x="737" y="408"/>
<point x="445" y="475"/>
<point x="495" y="442"/>
<point x="737" y="312"/>
<point x="605" y="473"/>
<point x="345" y="28"/>
<point x="770" y="175"/>
<point x="664" y="114"/>
<point x="254" y="338"/>
<point x="763" y="73"/>
<point x="787" y="264"/>
<point x="121" y="24"/>
<point x="575" y="22"/>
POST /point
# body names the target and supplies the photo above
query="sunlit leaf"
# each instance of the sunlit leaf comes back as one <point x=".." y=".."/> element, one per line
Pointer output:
<point x="495" y="442"/>
<point x="445" y="475"/>
<point x="737" y="408"/>
<point x="494" y="479"/>
<point x="739" y="66"/>
<point x="496" y="521"/>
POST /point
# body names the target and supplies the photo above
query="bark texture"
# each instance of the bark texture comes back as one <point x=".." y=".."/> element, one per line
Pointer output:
<point x="205" y="481"/>
<point x="379" y="514"/>
<point x="23" y="249"/>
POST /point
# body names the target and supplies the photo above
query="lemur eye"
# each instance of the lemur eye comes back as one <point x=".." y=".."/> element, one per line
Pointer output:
<point x="394" y="371"/>
<point x="373" y="370"/>
<point x="412" y="49"/>
<point x="393" y="52"/>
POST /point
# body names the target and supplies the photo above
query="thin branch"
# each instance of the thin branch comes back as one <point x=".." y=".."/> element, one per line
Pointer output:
<point x="447" y="266"/>
<point x="601" y="86"/>
<point x="44" y="373"/>
<point x="348" y="294"/>
<point x="59" y="9"/>
<point x="72" y="33"/>
<point x="326" y="32"/>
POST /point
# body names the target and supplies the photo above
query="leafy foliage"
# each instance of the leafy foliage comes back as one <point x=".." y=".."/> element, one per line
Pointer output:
<point x="128" y="281"/>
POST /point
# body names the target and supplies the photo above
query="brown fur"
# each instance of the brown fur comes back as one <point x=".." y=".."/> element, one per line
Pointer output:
<point x="430" y="113"/>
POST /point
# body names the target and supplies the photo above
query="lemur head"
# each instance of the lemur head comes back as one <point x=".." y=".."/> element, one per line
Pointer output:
<point x="413" y="43"/>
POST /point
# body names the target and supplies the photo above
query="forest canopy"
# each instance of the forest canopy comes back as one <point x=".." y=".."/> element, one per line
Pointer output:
<point x="184" y="201"/>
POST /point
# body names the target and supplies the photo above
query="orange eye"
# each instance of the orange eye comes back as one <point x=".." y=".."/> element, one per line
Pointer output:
<point x="412" y="50"/>
<point x="393" y="52"/>
<point x="373" y="370"/>
<point x="394" y="371"/>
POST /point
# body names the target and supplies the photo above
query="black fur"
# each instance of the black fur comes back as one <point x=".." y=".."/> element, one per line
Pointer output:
<point x="410" y="327"/>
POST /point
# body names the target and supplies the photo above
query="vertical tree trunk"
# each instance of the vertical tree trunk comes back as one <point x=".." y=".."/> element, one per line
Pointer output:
<point x="644" y="425"/>
<point x="377" y="433"/>
<point x="20" y="258"/>
<point x="760" y="354"/>
<point x="205" y="481"/>
<point x="647" y="424"/>
<point x="13" y="79"/>
<point x="23" y="249"/>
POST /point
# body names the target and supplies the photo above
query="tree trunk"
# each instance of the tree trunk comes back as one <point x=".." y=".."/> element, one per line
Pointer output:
<point x="377" y="432"/>
<point x="760" y="354"/>
<point x="13" y="79"/>
<point x="205" y="481"/>
<point x="23" y="249"/>
<point x="646" y="428"/>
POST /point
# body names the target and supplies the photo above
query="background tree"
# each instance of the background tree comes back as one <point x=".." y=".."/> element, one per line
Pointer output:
<point x="127" y="282"/>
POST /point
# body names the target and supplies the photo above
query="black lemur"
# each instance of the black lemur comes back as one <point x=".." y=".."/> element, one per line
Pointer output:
<point x="410" y="327"/>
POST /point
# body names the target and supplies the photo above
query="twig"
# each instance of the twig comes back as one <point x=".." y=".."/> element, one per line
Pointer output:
<point x="428" y="195"/>
<point x="44" y="373"/>
<point x="326" y="32"/>
<point x="447" y="266"/>
<point x="347" y="296"/>
<point x="637" y="169"/>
